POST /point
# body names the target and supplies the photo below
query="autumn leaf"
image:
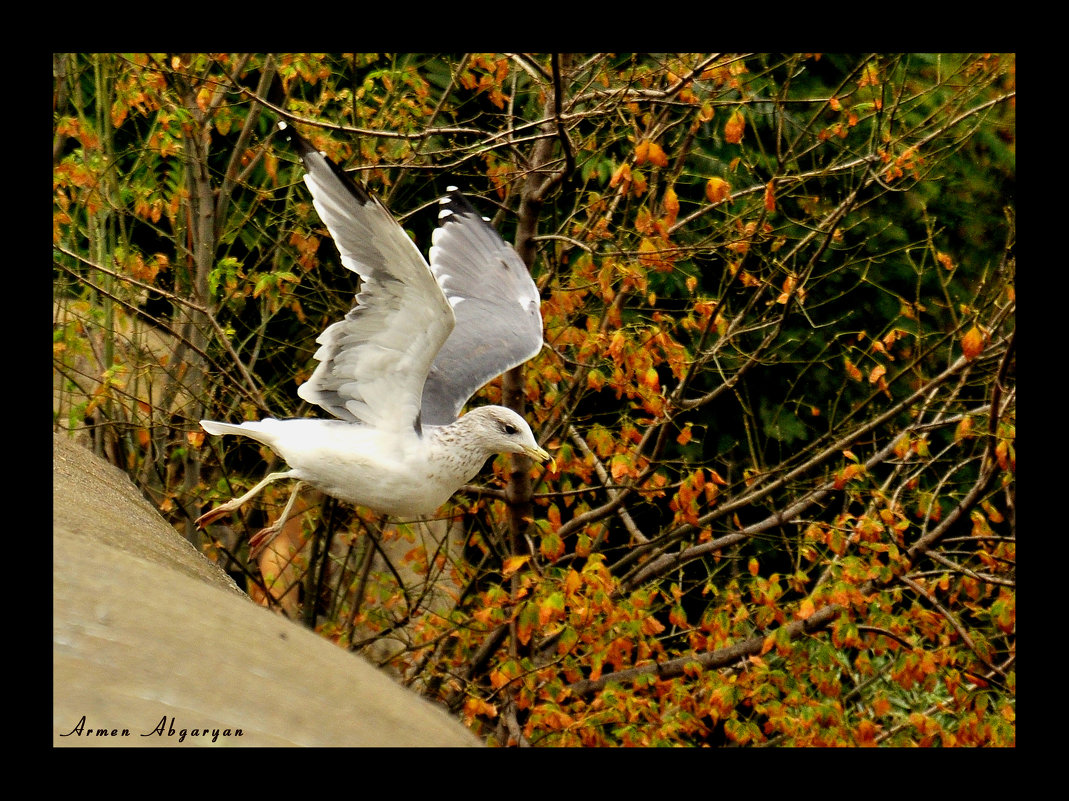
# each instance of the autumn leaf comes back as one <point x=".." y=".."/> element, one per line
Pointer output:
<point x="525" y="623"/>
<point x="770" y="196"/>
<point x="964" y="429"/>
<point x="638" y="183"/>
<point x="849" y="472"/>
<point x="735" y="127"/>
<point x="651" y="152"/>
<point x="621" y="175"/>
<point x="717" y="190"/>
<point x="620" y="468"/>
<point x="551" y="608"/>
<point x="677" y="617"/>
<point x="671" y="207"/>
<point x="514" y="563"/>
<point x="476" y="706"/>
<point x="972" y="344"/>
<point x="685" y="435"/>
<point x="552" y="546"/>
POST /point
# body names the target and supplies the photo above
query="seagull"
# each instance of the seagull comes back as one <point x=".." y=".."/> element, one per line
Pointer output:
<point x="397" y="370"/>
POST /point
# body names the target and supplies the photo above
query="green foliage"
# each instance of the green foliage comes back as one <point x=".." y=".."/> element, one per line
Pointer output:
<point x="779" y="304"/>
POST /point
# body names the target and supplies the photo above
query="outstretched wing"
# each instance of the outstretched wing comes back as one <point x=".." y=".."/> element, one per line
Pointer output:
<point x="373" y="364"/>
<point x="494" y="300"/>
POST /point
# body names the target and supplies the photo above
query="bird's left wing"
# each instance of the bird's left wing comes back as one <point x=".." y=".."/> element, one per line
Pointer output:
<point x="373" y="364"/>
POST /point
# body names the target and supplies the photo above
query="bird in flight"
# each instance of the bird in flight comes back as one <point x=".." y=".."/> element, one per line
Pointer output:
<point x="395" y="373"/>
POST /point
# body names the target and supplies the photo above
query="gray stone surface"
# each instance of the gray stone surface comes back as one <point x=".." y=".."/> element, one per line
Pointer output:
<point x="150" y="637"/>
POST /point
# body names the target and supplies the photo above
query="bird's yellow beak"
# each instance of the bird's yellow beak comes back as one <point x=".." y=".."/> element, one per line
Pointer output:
<point x="540" y="455"/>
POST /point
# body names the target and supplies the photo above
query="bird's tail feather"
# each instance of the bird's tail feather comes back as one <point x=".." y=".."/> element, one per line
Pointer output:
<point x="249" y="429"/>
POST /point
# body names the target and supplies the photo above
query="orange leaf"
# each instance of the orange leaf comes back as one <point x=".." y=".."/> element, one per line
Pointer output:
<point x="551" y="608"/>
<point x="770" y="197"/>
<point x="620" y="467"/>
<point x="717" y="190"/>
<point x="735" y="127"/>
<point x="973" y="343"/>
<point x="671" y="207"/>
<point x="638" y="183"/>
<point x="651" y="152"/>
<point x="621" y="175"/>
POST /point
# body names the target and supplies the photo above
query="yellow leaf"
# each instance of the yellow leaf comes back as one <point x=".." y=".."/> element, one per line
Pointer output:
<point x="651" y="379"/>
<point x="513" y="563"/>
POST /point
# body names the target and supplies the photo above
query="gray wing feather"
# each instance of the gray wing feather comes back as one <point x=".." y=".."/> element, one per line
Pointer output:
<point x="494" y="300"/>
<point x="373" y="364"/>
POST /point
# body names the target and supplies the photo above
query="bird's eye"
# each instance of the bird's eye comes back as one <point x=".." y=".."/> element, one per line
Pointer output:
<point x="509" y="429"/>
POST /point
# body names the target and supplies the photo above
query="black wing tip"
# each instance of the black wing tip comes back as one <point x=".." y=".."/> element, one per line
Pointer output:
<point x="455" y="202"/>
<point x="305" y="150"/>
<point x="302" y="145"/>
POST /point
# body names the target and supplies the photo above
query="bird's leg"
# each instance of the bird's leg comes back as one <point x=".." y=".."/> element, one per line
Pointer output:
<point x="236" y="503"/>
<point x="262" y="538"/>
